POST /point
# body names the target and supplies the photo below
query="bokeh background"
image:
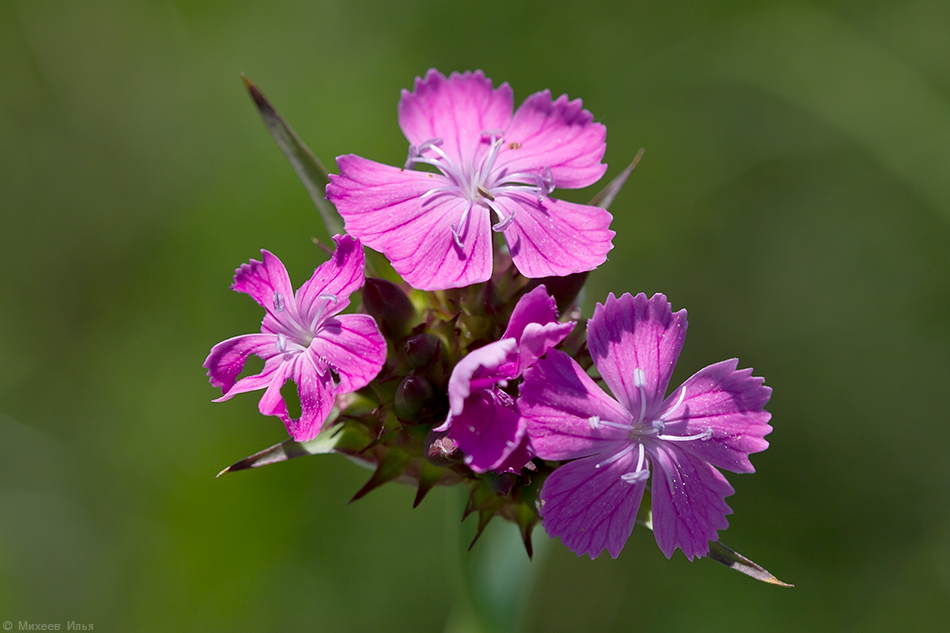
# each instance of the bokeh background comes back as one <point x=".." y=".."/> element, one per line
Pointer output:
<point x="794" y="196"/>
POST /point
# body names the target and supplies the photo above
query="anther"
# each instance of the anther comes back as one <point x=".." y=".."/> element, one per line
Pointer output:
<point x="278" y="302"/>
<point x="485" y="193"/>
<point x="281" y="344"/>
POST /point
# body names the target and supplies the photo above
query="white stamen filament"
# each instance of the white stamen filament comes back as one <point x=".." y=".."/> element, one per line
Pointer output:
<point x="626" y="451"/>
<point x="480" y="183"/>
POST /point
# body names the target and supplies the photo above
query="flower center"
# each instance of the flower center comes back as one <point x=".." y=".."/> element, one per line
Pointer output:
<point x="478" y="182"/>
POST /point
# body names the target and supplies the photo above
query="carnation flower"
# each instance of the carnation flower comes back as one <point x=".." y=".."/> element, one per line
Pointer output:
<point x="714" y="420"/>
<point x="434" y="226"/>
<point x="303" y="338"/>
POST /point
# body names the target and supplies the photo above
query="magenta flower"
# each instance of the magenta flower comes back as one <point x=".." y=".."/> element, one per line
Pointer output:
<point x="434" y="225"/>
<point x="302" y="339"/>
<point x="715" y="419"/>
<point x="483" y="419"/>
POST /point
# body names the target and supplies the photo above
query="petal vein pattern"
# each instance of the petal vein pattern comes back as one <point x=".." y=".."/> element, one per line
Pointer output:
<point x="482" y="165"/>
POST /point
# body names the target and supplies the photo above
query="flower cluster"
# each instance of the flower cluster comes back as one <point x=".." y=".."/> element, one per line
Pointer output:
<point x="461" y="371"/>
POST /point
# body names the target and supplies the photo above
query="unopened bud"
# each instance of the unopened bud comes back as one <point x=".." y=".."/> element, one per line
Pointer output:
<point x="388" y="304"/>
<point x="412" y="396"/>
<point x="420" y="349"/>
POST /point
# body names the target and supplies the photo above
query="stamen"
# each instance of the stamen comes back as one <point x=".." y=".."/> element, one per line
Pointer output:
<point x="703" y="435"/>
<point x="594" y="422"/>
<point x="626" y="451"/>
<point x="281" y="344"/>
<point x="676" y="406"/>
<point x="485" y="193"/>
<point x="639" y="381"/>
<point x="278" y="302"/>
<point x="639" y="473"/>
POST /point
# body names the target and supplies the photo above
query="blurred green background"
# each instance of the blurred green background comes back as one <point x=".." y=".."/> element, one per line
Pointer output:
<point x="794" y="196"/>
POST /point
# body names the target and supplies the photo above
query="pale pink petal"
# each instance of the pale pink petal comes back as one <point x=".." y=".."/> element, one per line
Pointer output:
<point x="688" y="501"/>
<point x="383" y="207"/>
<point x="227" y="359"/>
<point x="269" y="285"/>
<point x="554" y="238"/>
<point x="457" y="110"/>
<point x="635" y="342"/>
<point x="729" y="404"/>
<point x="560" y="135"/>
<point x="352" y="346"/>
<point x="589" y="506"/>
<point x="489" y="358"/>
<point x="566" y="410"/>
<point x="339" y="276"/>
<point x="486" y="431"/>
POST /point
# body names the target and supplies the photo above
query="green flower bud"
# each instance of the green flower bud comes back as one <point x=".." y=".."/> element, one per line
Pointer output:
<point x="412" y="396"/>
<point x="388" y="304"/>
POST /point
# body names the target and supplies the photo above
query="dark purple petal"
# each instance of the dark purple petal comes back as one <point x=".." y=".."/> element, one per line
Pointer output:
<point x="457" y="110"/>
<point x="339" y="276"/>
<point x="554" y="238"/>
<point x="383" y="207"/>
<point x="488" y="359"/>
<point x="227" y="359"/>
<point x="589" y="506"/>
<point x="536" y="306"/>
<point x="688" y="501"/>
<point x="487" y="431"/>
<point x="727" y="402"/>
<point x="635" y="342"/>
<point x="565" y="409"/>
<point x="352" y="346"/>
<point x="560" y="135"/>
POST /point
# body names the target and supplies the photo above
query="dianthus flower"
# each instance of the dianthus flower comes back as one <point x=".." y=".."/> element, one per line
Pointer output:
<point x="715" y="419"/>
<point x="435" y="226"/>
<point x="303" y="338"/>
<point x="483" y="419"/>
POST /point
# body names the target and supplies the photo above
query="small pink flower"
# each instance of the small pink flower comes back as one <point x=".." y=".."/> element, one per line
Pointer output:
<point x="302" y="339"/>
<point x="714" y="420"/>
<point x="435" y="226"/>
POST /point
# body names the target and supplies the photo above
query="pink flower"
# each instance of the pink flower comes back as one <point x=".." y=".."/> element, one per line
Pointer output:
<point x="434" y="225"/>
<point x="302" y="339"/>
<point x="714" y="420"/>
<point x="483" y="419"/>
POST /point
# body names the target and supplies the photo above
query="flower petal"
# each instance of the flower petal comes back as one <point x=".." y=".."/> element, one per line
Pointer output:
<point x="536" y="306"/>
<point x="314" y="390"/>
<point x="383" y="207"/>
<point x="487" y="431"/>
<point x="730" y="404"/>
<point x="588" y="505"/>
<point x="488" y="358"/>
<point x="560" y="135"/>
<point x="269" y="285"/>
<point x="564" y="408"/>
<point x="352" y="346"/>
<point x="340" y="276"/>
<point x="635" y="342"/>
<point x="227" y="359"/>
<point x="688" y="501"/>
<point x="457" y="110"/>
<point x="555" y="238"/>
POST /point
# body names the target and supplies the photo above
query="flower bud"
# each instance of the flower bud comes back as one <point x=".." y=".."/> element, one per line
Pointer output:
<point x="388" y="304"/>
<point x="420" y="349"/>
<point x="412" y="396"/>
